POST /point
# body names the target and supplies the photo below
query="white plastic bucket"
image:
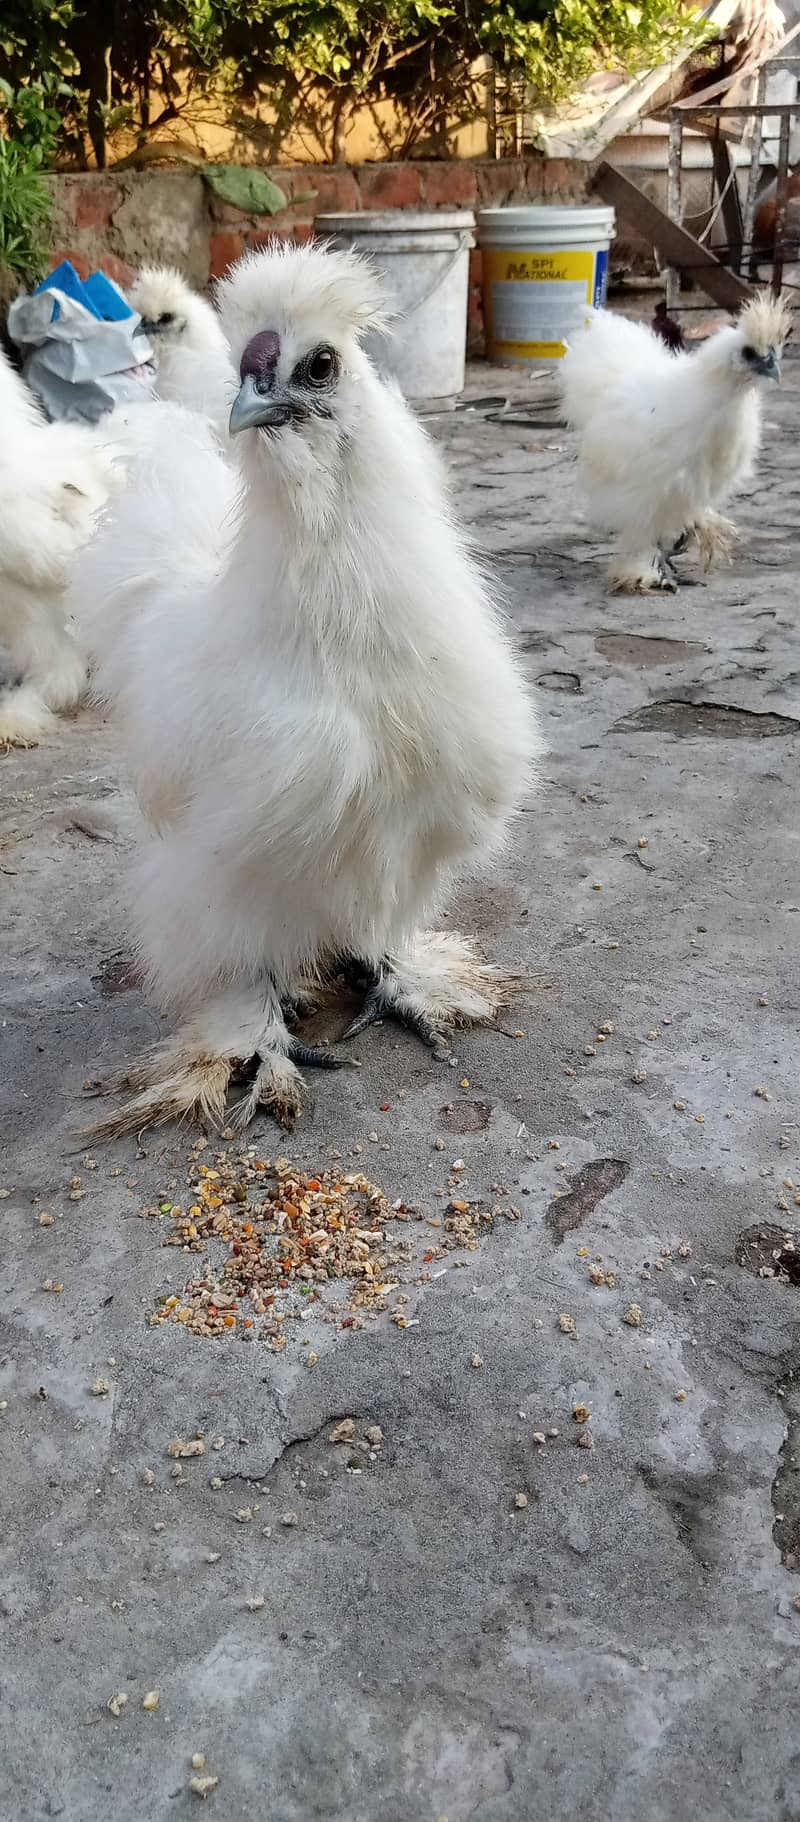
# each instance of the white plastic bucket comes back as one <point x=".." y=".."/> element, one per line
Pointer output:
<point x="424" y="263"/>
<point x="541" y="267"/>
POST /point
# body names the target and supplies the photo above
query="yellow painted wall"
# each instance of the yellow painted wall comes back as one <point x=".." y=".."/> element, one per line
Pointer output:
<point x="243" y="134"/>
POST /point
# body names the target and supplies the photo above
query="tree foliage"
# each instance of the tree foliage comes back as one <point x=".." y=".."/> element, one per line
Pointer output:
<point x="31" y="119"/>
<point x="309" y="64"/>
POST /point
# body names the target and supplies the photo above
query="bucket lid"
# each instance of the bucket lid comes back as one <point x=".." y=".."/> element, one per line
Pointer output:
<point x="396" y="221"/>
<point x="547" y="217"/>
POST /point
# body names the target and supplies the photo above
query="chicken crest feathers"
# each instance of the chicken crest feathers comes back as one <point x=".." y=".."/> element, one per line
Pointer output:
<point x="157" y="289"/>
<point x="161" y="292"/>
<point x="312" y="287"/>
<point x="766" y="321"/>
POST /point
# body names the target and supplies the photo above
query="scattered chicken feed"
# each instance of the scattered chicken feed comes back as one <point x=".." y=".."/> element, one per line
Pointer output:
<point x="275" y="1242"/>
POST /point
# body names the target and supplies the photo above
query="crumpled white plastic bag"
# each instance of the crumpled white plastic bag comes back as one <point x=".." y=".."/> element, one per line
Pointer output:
<point x="78" y="366"/>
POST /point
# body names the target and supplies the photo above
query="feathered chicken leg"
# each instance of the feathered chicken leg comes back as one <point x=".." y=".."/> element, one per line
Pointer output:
<point x="48" y="670"/>
<point x="385" y="999"/>
<point x="238" y="1038"/>
<point x="296" y="1006"/>
<point x="439" y="983"/>
<point x="307" y="1056"/>
<point x="642" y="573"/>
<point x="715" y="537"/>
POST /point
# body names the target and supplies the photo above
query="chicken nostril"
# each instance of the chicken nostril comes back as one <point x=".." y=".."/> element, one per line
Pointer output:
<point x="261" y="355"/>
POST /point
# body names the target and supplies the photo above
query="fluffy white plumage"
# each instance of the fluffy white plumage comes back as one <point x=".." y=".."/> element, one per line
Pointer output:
<point x="322" y="715"/>
<point x="665" y="439"/>
<point x="193" y="363"/>
<point x="54" y="480"/>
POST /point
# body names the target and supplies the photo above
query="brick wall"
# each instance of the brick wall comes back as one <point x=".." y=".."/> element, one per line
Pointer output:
<point x="119" y="220"/>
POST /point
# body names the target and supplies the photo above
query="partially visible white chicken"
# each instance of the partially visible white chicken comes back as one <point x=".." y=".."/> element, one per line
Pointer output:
<point x="193" y="362"/>
<point x="665" y="438"/>
<point x="54" y="480"/>
<point x="322" y="715"/>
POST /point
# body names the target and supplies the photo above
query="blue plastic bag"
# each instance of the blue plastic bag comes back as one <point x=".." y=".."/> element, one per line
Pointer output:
<point x="85" y="349"/>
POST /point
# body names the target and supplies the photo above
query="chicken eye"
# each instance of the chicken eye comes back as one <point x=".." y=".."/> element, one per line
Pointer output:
<point x="749" y="354"/>
<point x="322" y="367"/>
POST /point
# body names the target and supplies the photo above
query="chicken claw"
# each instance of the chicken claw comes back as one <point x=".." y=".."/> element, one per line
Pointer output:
<point x="295" y="1007"/>
<point x="306" y="1056"/>
<point x="272" y="1083"/>
<point x="385" y="999"/>
<point x="645" y="574"/>
<point x="314" y="1056"/>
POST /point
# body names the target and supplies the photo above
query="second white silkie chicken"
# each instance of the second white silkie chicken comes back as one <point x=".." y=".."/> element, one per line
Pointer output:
<point x="193" y="363"/>
<point x="665" y="438"/>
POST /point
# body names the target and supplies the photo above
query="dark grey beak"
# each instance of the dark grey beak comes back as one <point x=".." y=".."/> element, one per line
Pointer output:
<point x="150" y="327"/>
<point x="769" y="366"/>
<point x="253" y="409"/>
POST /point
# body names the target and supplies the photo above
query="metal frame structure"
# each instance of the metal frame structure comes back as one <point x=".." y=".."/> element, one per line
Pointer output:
<point x="740" y="247"/>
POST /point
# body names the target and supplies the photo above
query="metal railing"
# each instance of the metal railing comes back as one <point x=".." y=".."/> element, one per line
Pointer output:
<point x="739" y="249"/>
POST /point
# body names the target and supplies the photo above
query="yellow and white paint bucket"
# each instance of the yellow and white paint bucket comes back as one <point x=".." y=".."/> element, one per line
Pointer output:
<point x="541" y="268"/>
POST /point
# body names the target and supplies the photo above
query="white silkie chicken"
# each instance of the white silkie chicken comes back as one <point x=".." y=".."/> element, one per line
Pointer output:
<point x="193" y="362"/>
<point x="322" y="715"/>
<point x="54" y="480"/>
<point x="665" y="438"/>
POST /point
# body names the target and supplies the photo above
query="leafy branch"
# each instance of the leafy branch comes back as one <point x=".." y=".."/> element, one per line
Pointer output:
<point x="283" y="69"/>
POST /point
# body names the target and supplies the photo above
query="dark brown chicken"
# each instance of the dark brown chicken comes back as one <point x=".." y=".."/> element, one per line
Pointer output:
<point x="665" y="327"/>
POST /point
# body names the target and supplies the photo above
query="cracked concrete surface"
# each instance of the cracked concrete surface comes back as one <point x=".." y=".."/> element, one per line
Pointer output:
<point x="625" y="1646"/>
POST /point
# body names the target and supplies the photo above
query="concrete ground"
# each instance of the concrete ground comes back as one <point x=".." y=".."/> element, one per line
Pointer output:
<point x="626" y="1644"/>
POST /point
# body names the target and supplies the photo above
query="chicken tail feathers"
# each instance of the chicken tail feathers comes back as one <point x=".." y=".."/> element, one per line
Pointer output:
<point x="610" y="349"/>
